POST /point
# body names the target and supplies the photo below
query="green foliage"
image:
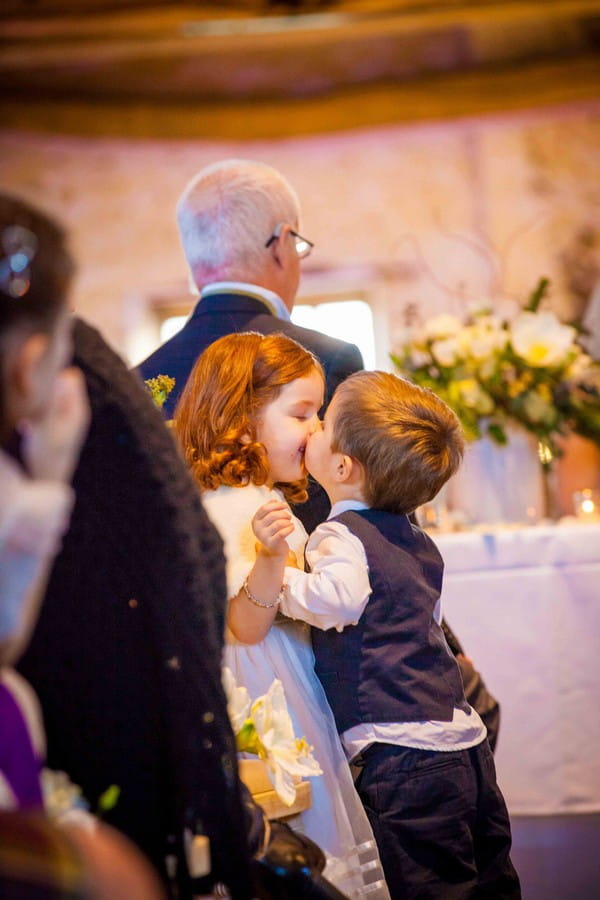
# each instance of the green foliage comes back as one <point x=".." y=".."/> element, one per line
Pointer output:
<point x="537" y="295"/>
<point x="109" y="799"/>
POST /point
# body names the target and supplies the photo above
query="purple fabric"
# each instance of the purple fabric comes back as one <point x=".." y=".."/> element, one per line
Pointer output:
<point x="18" y="762"/>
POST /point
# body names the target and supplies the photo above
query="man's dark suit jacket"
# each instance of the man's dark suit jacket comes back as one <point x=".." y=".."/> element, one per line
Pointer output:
<point x="126" y="655"/>
<point x="225" y="313"/>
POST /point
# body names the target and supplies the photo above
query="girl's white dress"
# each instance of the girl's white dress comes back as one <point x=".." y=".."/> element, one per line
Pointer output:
<point x="336" y="820"/>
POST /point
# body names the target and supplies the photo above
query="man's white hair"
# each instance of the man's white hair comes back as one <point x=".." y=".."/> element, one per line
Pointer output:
<point x="226" y="215"/>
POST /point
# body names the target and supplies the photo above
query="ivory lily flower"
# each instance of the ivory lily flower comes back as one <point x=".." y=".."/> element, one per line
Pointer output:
<point x="238" y="700"/>
<point x="286" y="757"/>
<point x="264" y="728"/>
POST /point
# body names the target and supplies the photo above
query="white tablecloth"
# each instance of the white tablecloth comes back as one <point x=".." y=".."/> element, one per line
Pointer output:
<point x="525" y="604"/>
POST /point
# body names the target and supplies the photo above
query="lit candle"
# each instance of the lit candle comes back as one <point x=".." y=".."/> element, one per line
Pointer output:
<point x="587" y="503"/>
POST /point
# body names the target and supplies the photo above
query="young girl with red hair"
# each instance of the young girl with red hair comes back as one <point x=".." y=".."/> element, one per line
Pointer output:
<point x="243" y="421"/>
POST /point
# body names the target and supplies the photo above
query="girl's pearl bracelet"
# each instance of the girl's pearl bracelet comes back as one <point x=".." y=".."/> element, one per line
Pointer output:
<point x="260" y="603"/>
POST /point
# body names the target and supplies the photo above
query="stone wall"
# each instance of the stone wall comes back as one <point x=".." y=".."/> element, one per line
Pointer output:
<point x="434" y="216"/>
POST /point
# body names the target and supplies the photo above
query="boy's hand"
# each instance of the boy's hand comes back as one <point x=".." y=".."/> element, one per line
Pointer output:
<point x="271" y="524"/>
<point x="291" y="560"/>
<point x="52" y="443"/>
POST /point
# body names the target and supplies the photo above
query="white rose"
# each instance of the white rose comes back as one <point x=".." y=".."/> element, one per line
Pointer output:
<point x="486" y="368"/>
<point x="402" y="337"/>
<point x="540" y="339"/>
<point x="538" y="409"/>
<point x="446" y="352"/>
<point x="419" y="358"/>
<point x="488" y="321"/>
<point x="580" y="367"/>
<point x="475" y="397"/>
<point x="441" y="326"/>
<point x="487" y="339"/>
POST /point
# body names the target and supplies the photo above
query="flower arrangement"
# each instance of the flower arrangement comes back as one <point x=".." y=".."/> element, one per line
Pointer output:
<point x="492" y="372"/>
<point x="264" y="729"/>
<point x="160" y="388"/>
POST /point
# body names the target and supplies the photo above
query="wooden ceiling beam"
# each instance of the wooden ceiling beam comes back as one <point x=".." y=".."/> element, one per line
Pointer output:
<point x="294" y="61"/>
<point x="203" y="70"/>
<point x="236" y="23"/>
<point x="447" y="96"/>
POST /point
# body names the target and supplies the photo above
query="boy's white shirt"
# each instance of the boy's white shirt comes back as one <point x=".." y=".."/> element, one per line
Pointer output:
<point x="334" y="594"/>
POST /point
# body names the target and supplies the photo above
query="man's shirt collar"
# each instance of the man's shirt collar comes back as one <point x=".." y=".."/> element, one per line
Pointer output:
<point x="272" y="301"/>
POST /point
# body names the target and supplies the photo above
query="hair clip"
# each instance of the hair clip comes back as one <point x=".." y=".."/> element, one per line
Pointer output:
<point x="20" y="246"/>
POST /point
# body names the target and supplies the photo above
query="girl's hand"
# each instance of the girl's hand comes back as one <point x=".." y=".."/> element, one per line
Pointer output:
<point x="271" y="524"/>
<point x="52" y="443"/>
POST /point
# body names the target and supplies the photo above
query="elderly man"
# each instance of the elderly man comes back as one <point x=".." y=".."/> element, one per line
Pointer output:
<point x="239" y="222"/>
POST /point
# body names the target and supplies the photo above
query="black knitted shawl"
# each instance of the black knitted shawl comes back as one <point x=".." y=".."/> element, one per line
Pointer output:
<point x="126" y="655"/>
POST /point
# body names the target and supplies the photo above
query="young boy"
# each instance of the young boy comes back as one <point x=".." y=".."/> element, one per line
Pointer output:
<point x="426" y="773"/>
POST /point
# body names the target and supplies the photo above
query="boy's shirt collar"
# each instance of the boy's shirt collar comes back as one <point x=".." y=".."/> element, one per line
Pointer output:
<point x="345" y="505"/>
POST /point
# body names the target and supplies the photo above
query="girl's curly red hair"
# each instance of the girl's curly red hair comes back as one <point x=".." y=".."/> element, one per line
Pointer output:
<point x="232" y="380"/>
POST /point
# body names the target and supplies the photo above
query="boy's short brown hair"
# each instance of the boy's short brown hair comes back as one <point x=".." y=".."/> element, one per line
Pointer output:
<point x="408" y="441"/>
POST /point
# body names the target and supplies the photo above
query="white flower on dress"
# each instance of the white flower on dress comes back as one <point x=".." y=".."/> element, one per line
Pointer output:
<point x="286" y="756"/>
<point x="264" y="728"/>
<point x="238" y="700"/>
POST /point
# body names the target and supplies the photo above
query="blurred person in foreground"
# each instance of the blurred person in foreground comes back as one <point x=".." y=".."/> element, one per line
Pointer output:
<point x="126" y="657"/>
<point x="43" y="419"/>
<point x="131" y="696"/>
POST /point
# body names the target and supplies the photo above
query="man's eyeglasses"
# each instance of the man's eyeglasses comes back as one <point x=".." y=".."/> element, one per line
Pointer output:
<point x="303" y="246"/>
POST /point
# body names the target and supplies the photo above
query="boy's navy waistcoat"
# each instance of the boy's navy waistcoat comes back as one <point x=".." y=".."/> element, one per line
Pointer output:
<point x="394" y="665"/>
